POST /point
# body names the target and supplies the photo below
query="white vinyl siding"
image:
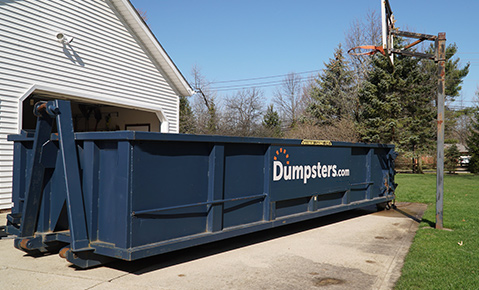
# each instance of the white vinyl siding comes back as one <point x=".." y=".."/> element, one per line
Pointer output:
<point x="105" y="61"/>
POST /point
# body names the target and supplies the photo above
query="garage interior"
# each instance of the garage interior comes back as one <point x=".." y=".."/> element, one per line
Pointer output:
<point x="88" y="117"/>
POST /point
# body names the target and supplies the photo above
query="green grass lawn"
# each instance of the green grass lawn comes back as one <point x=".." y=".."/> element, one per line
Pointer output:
<point x="441" y="259"/>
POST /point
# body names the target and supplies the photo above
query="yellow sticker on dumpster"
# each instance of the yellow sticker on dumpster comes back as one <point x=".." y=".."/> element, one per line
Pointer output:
<point x="317" y="142"/>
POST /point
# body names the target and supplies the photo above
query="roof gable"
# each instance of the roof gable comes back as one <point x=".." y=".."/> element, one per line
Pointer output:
<point x="149" y="41"/>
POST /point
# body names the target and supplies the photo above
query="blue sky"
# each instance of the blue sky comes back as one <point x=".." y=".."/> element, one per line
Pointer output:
<point x="231" y="40"/>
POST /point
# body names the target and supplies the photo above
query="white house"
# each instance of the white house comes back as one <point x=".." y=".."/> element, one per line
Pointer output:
<point x="97" y="53"/>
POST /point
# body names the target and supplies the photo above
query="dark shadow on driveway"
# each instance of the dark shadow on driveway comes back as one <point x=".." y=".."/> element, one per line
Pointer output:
<point x="154" y="263"/>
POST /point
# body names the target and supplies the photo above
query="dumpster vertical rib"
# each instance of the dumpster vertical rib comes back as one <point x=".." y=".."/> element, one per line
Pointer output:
<point x="123" y="181"/>
<point x="90" y="186"/>
<point x="369" y="172"/>
<point x="215" y="187"/>
<point x="266" y="184"/>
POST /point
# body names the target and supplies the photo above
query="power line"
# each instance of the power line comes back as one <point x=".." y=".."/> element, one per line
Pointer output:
<point x="256" y="85"/>
<point x="271" y="83"/>
<point x="244" y="88"/>
<point x="277" y="82"/>
<point x="253" y="85"/>
<point x="235" y="87"/>
<point x="266" y="77"/>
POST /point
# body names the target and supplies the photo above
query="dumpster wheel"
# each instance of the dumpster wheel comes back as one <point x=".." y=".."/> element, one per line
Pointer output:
<point x="63" y="252"/>
<point x="23" y="245"/>
<point x="26" y="245"/>
<point x="384" y="206"/>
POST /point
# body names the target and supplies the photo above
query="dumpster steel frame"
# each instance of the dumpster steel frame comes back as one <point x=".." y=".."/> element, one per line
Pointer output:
<point x="61" y="200"/>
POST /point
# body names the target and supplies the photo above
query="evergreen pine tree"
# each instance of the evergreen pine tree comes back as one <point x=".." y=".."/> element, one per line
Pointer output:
<point x="454" y="78"/>
<point x="452" y="155"/>
<point x="187" y="119"/>
<point x="272" y="122"/>
<point x="332" y="96"/>
<point x="454" y="73"/>
<point x="397" y="106"/>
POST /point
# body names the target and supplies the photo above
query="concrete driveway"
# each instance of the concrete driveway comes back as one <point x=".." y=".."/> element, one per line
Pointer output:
<point x="359" y="249"/>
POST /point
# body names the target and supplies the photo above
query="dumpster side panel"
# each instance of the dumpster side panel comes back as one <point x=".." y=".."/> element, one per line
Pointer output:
<point x="380" y="170"/>
<point x="305" y="177"/>
<point x="359" y="161"/>
<point x="22" y="152"/>
<point x="167" y="175"/>
<point x="361" y="183"/>
<point x="22" y="156"/>
<point x="292" y="206"/>
<point x="113" y="200"/>
<point x="243" y="177"/>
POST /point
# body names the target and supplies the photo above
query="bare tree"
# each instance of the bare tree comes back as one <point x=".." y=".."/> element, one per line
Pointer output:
<point x="460" y="120"/>
<point x="289" y="98"/>
<point x="340" y="130"/>
<point x="363" y="31"/>
<point x="205" y="106"/>
<point x="243" y="111"/>
<point x="142" y="14"/>
<point x="463" y="122"/>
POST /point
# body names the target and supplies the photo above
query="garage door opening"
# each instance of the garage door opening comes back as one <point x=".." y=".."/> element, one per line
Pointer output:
<point x="88" y="117"/>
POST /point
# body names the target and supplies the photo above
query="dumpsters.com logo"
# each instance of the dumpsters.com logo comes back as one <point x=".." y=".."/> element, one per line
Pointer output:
<point x="283" y="170"/>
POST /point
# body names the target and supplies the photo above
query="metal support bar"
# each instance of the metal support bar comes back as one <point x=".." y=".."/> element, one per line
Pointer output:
<point x="76" y="210"/>
<point x="414" y="35"/>
<point x="362" y="185"/>
<point x="414" y="43"/>
<point x="415" y="54"/>
<point x="33" y="195"/>
<point x="441" y="59"/>
<point x="149" y="211"/>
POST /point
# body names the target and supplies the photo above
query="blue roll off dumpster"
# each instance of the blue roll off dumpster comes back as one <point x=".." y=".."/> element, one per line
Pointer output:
<point x="98" y="196"/>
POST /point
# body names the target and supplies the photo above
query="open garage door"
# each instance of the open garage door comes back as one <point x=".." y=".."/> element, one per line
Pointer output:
<point x="89" y="116"/>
